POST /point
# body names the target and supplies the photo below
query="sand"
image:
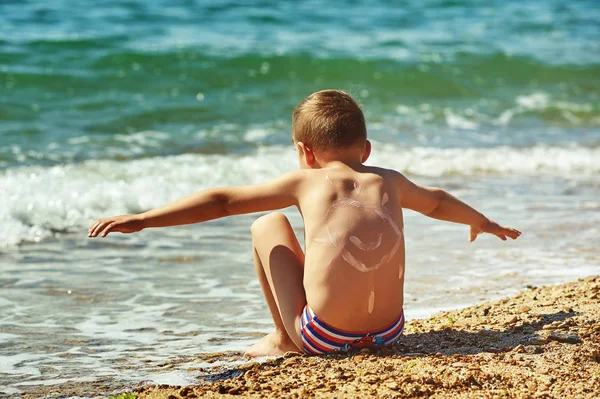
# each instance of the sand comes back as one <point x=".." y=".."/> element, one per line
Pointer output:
<point x="541" y="343"/>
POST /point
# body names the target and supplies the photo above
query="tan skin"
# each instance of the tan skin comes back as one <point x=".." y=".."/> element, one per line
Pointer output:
<point x="322" y="277"/>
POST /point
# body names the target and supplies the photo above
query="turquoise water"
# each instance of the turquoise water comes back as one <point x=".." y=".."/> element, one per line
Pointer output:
<point x="80" y="81"/>
<point x="119" y="106"/>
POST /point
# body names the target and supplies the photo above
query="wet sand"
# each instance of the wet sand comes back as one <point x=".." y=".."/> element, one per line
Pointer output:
<point x="541" y="343"/>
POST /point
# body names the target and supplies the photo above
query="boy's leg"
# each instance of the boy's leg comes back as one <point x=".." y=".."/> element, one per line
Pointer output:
<point x="279" y="263"/>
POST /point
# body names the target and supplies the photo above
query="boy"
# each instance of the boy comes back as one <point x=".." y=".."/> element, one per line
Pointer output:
<point x="347" y="290"/>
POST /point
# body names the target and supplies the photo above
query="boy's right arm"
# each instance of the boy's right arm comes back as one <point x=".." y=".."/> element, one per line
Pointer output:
<point x="438" y="204"/>
<point x="207" y="205"/>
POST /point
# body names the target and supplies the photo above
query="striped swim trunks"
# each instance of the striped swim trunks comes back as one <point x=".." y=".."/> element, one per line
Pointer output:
<point x="319" y="337"/>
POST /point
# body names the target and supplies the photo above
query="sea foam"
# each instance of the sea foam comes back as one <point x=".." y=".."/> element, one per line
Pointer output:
<point x="40" y="202"/>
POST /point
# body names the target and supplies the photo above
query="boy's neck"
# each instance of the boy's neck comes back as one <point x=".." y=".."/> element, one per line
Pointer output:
<point x="352" y="162"/>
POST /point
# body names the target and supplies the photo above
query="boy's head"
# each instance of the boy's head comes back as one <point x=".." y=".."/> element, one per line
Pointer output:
<point x="329" y="121"/>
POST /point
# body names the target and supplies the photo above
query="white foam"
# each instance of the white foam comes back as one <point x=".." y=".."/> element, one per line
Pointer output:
<point x="532" y="161"/>
<point x="5" y="337"/>
<point x="16" y="364"/>
<point x="5" y="302"/>
<point x="9" y="390"/>
<point x="39" y="202"/>
<point x="147" y="138"/>
<point x="480" y="116"/>
<point x="171" y="378"/>
<point x="256" y="134"/>
<point x="536" y="100"/>
<point x="57" y="381"/>
<point x="459" y="122"/>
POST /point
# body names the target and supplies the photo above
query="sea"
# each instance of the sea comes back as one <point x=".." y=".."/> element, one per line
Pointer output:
<point x="118" y="106"/>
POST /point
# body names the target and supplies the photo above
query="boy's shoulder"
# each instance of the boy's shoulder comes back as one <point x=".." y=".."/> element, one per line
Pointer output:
<point x="303" y="177"/>
<point x="381" y="171"/>
<point x="311" y="174"/>
<point x="388" y="175"/>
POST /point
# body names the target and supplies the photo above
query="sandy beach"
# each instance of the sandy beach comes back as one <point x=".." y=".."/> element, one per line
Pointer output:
<point x="543" y="343"/>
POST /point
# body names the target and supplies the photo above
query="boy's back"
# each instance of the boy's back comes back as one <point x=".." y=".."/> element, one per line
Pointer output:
<point x="354" y="265"/>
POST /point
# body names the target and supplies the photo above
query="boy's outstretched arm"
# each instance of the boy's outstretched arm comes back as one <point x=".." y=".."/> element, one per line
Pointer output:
<point x="438" y="204"/>
<point x="207" y="205"/>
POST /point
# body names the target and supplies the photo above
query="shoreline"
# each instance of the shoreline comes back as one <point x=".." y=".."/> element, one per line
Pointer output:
<point x="542" y="342"/>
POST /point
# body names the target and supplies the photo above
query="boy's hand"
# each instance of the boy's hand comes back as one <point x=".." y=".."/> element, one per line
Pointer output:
<point x="495" y="229"/>
<point x="122" y="224"/>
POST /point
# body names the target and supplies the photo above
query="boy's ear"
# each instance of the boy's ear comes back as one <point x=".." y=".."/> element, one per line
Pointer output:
<point x="366" y="151"/>
<point x="306" y="153"/>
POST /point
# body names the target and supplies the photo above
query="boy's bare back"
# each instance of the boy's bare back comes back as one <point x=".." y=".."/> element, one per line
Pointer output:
<point x="354" y="265"/>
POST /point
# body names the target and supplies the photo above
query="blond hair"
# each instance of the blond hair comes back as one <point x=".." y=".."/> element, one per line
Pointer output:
<point x="328" y="119"/>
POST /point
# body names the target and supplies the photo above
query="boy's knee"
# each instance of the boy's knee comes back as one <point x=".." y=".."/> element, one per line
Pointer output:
<point x="268" y="222"/>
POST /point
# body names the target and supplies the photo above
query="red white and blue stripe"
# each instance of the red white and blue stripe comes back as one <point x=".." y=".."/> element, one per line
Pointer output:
<point x="318" y="337"/>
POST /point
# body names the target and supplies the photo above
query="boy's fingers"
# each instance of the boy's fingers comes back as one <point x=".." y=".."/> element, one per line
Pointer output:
<point x="108" y="229"/>
<point x="472" y="236"/>
<point x="512" y="233"/>
<point x="94" y="229"/>
<point x="91" y="229"/>
<point x="99" y="228"/>
<point x="96" y="226"/>
<point x="501" y="236"/>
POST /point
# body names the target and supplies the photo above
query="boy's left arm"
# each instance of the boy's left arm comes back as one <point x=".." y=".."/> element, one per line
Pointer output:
<point x="207" y="205"/>
<point x="439" y="204"/>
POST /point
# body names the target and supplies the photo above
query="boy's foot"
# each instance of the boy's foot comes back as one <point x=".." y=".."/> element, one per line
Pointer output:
<point x="271" y="345"/>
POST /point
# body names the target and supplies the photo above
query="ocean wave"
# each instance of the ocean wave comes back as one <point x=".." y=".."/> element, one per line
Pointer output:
<point x="503" y="160"/>
<point x="42" y="202"/>
<point x="106" y="96"/>
<point x="528" y="118"/>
